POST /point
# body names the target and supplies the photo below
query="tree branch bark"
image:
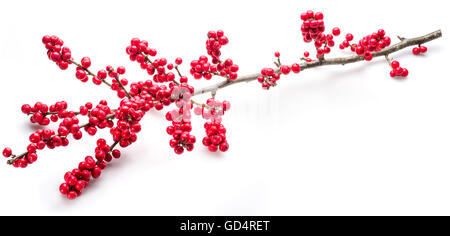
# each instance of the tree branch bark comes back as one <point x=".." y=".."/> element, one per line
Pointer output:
<point x="333" y="61"/>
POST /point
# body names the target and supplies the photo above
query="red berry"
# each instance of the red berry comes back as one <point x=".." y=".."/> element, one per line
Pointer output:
<point x="212" y="148"/>
<point x="179" y="150"/>
<point x="224" y="147"/>
<point x="423" y="49"/>
<point x="7" y="152"/>
<point x="71" y="180"/>
<point x="295" y="68"/>
<point x="116" y="153"/>
<point x="121" y="70"/>
<point x="336" y="31"/>
<point x="35" y="137"/>
<point x="101" y="74"/>
<point x="72" y="195"/>
<point x="349" y="37"/>
<point x="285" y="69"/>
<point x="86" y="62"/>
<point x="26" y="109"/>
<point x="96" y="172"/>
<point x="64" y="188"/>
<point x="405" y="72"/>
<point x="395" y="64"/>
<point x="319" y="16"/>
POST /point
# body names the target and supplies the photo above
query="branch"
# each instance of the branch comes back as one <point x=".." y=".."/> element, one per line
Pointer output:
<point x="334" y="61"/>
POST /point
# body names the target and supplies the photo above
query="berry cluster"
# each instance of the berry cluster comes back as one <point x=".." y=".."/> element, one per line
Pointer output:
<point x="40" y="112"/>
<point x="313" y="29"/>
<point x="38" y="141"/>
<point x="23" y="160"/>
<point x="78" y="179"/>
<point x="99" y="117"/>
<point x="181" y="120"/>
<point x="215" y="136"/>
<point x="180" y="131"/>
<point x="227" y="69"/>
<point x="129" y="114"/>
<point x="371" y="43"/>
<point x="70" y="125"/>
<point x="216" y="39"/>
<point x="312" y="26"/>
<point x="56" y="52"/>
<point x="420" y="49"/>
<point x="158" y="69"/>
<point x="139" y="52"/>
<point x="156" y="96"/>
<point x="139" y="49"/>
<point x="397" y="70"/>
<point x="268" y="78"/>
<point x="202" y="68"/>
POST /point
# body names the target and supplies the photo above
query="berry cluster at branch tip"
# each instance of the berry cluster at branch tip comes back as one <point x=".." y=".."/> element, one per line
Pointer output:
<point x="78" y="179"/>
<point x="313" y="29"/>
<point x="180" y="131"/>
<point x="56" y="52"/>
<point x="397" y="70"/>
<point x="215" y="136"/>
<point x="217" y="39"/>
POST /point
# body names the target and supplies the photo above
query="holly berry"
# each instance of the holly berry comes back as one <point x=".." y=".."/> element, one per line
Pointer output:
<point x="336" y="31"/>
<point x="296" y="68"/>
<point x="86" y="62"/>
<point x="7" y="152"/>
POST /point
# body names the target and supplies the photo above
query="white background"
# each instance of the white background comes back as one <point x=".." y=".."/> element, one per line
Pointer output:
<point x="330" y="141"/>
